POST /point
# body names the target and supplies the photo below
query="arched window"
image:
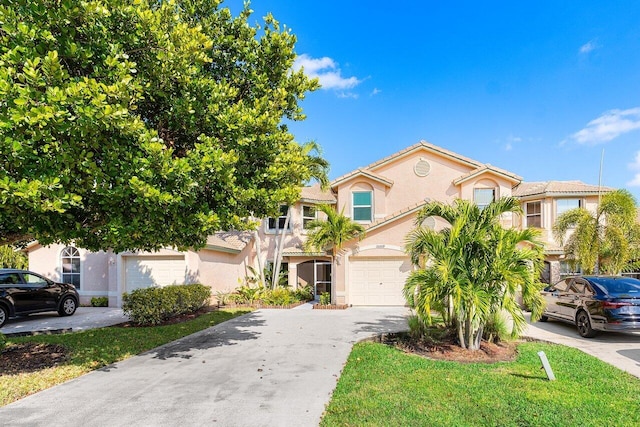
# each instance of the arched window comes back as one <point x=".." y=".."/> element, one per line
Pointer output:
<point x="70" y="260"/>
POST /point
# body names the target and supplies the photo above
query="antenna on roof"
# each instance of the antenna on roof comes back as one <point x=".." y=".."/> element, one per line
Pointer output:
<point x="597" y="269"/>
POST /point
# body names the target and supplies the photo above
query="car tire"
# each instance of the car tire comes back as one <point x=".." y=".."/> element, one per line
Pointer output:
<point x="543" y="318"/>
<point x="4" y="315"/>
<point x="583" y="323"/>
<point x="68" y="306"/>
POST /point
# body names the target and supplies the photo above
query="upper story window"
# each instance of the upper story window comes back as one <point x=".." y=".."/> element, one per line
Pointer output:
<point x="308" y="215"/>
<point x="279" y="223"/>
<point x="362" y="205"/>
<point x="483" y="196"/>
<point x="534" y="214"/>
<point x="564" y="205"/>
<point x="70" y="261"/>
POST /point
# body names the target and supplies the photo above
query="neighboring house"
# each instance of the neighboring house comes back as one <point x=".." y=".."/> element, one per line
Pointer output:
<point x="543" y="203"/>
<point x="384" y="197"/>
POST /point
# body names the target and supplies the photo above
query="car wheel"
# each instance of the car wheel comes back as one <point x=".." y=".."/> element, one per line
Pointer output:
<point x="543" y="318"/>
<point x="67" y="307"/>
<point x="4" y="315"/>
<point x="584" y="325"/>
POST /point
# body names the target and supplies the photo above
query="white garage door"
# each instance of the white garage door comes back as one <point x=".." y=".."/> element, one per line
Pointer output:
<point x="378" y="282"/>
<point x="146" y="271"/>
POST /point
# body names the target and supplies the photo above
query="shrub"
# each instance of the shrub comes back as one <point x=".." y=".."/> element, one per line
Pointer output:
<point x="3" y="342"/>
<point x="325" y="298"/>
<point x="100" y="302"/>
<point x="304" y="293"/>
<point x="277" y="296"/>
<point x="497" y="328"/>
<point x="246" y="295"/>
<point x="418" y="329"/>
<point x="151" y="306"/>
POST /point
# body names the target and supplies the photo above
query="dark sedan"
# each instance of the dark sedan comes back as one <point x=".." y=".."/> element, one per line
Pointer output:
<point x="24" y="292"/>
<point x="595" y="303"/>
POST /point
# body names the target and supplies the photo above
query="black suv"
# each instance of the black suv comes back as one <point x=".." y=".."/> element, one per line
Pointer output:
<point x="23" y="292"/>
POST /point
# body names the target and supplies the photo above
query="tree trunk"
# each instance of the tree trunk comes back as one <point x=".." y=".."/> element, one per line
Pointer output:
<point x="279" y="249"/>
<point x="258" y="243"/>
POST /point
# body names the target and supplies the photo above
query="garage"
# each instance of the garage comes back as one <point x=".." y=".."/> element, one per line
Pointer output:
<point x="146" y="271"/>
<point x="378" y="281"/>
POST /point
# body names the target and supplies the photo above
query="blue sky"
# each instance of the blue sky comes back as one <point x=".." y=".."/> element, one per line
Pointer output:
<point x="537" y="88"/>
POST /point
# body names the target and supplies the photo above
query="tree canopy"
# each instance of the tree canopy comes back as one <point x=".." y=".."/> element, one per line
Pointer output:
<point x="473" y="269"/>
<point x="135" y="124"/>
<point x="603" y="241"/>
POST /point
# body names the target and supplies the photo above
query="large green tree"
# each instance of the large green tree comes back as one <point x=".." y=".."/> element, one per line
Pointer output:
<point x="474" y="268"/>
<point x="135" y="124"/>
<point x="603" y="241"/>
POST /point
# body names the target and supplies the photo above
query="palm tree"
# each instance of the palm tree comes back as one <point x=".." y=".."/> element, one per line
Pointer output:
<point x="318" y="170"/>
<point x="332" y="233"/>
<point x="600" y="242"/>
<point x="473" y="268"/>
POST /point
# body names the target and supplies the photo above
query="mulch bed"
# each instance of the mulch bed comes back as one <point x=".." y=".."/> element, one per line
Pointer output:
<point x="447" y="348"/>
<point x="31" y="357"/>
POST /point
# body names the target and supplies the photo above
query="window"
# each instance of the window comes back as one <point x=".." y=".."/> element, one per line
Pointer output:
<point x="10" y="279"/>
<point x="564" y="205"/>
<point x="278" y="223"/>
<point x="483" y="196"/>
<point x="308" y="215"/>
<point x="362" y="206"/>
<point x="534" y="214"/>
<point x="70" y="260"/>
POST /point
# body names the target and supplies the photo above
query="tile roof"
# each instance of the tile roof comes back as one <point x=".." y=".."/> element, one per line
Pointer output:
<point x="362" y="172"/>
<point x="395" y="215"/>
<point x="228" y="241"/>
<point x="429" y="147"/>
<point x="487" y="168"/>
<point x="558" y="188"/>
<point x="315" y="194"/>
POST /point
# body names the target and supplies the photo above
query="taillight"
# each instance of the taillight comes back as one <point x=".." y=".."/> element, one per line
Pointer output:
<point x="613" y="305"/>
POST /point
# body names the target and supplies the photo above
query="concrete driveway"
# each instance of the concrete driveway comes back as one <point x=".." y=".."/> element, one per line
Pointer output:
<point x="266" y="368"/>
<point x="50" y="322"/>
<point x="619" y="349"/>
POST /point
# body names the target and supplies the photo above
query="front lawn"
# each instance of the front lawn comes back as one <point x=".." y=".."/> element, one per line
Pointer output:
<point x="96" y="348"/>
<point x="382" y="386"/>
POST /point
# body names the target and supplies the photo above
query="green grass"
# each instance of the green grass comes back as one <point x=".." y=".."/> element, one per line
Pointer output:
<point x="96" y="348"/>
<point x="382" y="386"/>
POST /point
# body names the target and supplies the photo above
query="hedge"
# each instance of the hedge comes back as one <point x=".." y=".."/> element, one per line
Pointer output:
<point x="152" y="306"/>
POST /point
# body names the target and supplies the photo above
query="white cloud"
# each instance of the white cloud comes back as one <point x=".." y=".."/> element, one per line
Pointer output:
<point x="510" y="141"/>
<point x="327" y="72"/>
<point x="375" y="91"/>
<point x="609" y="126"/>
<point x="635" y="165"/>
<point x="588" y="47"/>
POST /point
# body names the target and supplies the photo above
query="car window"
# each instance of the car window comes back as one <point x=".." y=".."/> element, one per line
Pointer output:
<point x="9" y="279"/>
<point x="561" y="286"/>
<point x="620" y="286"/>
<point x="33" y="279"/>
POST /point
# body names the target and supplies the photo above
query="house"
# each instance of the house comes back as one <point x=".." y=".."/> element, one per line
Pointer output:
<point x="383" y="196"/>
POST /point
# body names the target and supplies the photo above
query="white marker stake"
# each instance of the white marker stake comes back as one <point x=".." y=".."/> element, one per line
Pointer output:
<point x="546" y="365"/>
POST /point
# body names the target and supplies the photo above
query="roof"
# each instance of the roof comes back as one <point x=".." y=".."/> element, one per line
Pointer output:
<point x="315" y="194"/>
<point x="424" y="145"/>
<point x="488" y="169"/>
<point x="395" y="216"/>
<point x="298" y="251"/>
<point x="228" y="241"/>
<point x="558" y="188"/>
<point x="362" y="172"/>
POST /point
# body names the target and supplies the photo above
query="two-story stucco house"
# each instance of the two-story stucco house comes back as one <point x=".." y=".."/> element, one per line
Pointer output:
<point x="384" y="197"/>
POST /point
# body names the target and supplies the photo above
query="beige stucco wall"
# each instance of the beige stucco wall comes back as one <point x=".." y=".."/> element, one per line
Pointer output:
<point x="94" y="269"/>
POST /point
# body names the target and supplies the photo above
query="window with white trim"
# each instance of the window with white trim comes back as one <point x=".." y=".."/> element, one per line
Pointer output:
<point x="483" y="196"/>
<point x="362" y="205"/>
<point x="534" y="214"/>
<point x="70" y="261"/>
<point x="274" y="224"/>
<point x="564" y="205"/>
<point x="308" y="215"/>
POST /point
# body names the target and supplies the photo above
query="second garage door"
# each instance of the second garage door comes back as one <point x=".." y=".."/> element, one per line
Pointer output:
<point x="146" y="271"/>
<point x="378" y="281"/>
